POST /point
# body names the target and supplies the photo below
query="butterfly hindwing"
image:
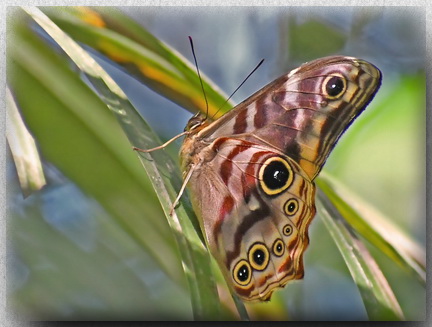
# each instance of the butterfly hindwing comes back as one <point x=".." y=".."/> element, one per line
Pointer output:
<point x="257" y="225"/>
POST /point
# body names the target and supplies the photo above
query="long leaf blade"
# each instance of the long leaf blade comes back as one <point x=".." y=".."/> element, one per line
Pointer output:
<point x="23" y="148"/>
<point x="55" y="101"/>
<point x="375" y="228"/>
<point x="378" y="298"/>
<point x="203" y="290"/>
<point x="148" y="59"/>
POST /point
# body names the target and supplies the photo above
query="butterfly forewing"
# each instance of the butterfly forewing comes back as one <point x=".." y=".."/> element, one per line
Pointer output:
<point x="300" y="113"/>
<point x="251" y="171"/>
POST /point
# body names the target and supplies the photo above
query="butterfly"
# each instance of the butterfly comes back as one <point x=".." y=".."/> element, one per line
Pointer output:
<point x="251" y="172"/>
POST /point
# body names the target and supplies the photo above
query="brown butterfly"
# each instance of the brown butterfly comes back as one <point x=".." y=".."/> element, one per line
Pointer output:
<point x="251" y="172"/>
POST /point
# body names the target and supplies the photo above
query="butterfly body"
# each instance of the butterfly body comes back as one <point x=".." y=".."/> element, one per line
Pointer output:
<point x="250" y="173"/>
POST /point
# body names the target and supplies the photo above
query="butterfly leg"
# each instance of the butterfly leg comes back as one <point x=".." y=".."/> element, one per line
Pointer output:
<point x="185" y="181"/>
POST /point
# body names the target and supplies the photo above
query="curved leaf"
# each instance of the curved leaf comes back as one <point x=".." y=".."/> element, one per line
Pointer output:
<point x="378" y="298"/>
<point x="23" y="148"/>
<point x="148" y="59"/>
<point x="375" y="228"/>
<point x="196" y="261"/>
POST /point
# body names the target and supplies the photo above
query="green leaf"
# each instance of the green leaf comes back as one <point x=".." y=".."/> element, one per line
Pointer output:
<point x="145" y="57"/>
<point x="375" y="227"/>
<point x="378" y="298"/>
<point x="195" y="259"/>
<point x="75" y="131"/>
<point x="91" y="270"/>
<point x="23" y="148"/>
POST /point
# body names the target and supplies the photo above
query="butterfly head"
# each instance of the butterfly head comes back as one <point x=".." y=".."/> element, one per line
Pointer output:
<point x="197" y="121"/>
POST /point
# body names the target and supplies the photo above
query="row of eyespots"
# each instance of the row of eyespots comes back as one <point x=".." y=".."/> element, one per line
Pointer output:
<point x="258" y="258"/>
<point x="275" y="177"/>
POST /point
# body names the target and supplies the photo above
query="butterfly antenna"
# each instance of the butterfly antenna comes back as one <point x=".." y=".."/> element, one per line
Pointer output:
<point x="199" y="75"/>
<point x="238" y="87"/>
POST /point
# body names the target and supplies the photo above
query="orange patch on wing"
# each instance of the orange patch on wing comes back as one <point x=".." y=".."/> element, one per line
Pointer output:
<point x="286" y="266"/>
<point x="245" y="292"/>
<point x="227" y="206"/>
<point x="262" y="281"/>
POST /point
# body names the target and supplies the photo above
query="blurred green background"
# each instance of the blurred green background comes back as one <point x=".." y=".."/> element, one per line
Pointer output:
<point x="93" y="243"/>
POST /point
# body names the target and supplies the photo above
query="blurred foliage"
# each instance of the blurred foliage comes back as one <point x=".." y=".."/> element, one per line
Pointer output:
<point x="145" y="57"/>
<point x="104" y="250"/>
<point x="322" y="40"/>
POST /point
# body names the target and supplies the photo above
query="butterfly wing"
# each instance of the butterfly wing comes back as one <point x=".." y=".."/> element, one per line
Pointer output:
<point x="255" y="206"/>
<point x="303" y="113"/>
<point x="251" y="172"/>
